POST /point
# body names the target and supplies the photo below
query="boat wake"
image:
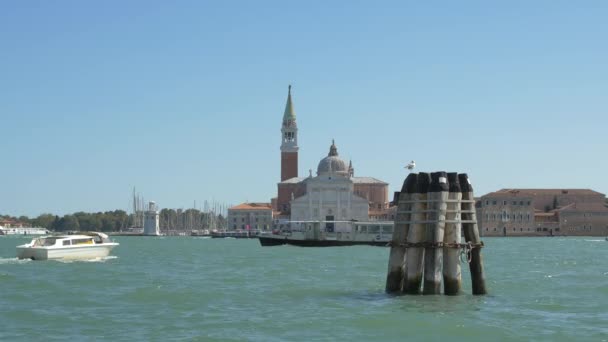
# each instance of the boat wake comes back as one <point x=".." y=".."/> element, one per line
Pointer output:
<point x="98" y="259"/>
<point x="102" y="259"/>
<point x="8" y="261"/>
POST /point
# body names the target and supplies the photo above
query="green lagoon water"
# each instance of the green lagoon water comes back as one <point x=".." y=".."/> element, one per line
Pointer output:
<point x="183" y="288"/>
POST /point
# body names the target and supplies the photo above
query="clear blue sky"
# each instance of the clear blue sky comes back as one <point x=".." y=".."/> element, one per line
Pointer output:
<point x="184" y="99"/>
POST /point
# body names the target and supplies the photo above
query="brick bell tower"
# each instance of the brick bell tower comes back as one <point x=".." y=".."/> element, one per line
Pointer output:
<point x="289" y="141"/>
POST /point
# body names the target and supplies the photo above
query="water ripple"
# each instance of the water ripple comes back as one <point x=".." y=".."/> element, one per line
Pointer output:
<point x="214" y="289"/>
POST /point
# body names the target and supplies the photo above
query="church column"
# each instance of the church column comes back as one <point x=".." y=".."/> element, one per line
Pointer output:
<point x="348" y="209"/>
<point x="339" y="193"/>
<point x="320" y="204"/>
<point x="310" y="209"/>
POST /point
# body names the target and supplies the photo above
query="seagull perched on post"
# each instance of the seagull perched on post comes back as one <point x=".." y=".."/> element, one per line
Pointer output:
<point x="411" y="165"/>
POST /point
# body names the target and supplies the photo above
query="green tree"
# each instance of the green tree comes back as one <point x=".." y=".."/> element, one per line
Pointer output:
<point x="121" y="219"/>
<point x="56" y="223"/>
<point x="107" y="223"/>
<point x="44" y="221"/>
<point x="68" y="223"/>
<point x="25" y="221"/>
<point x="168" y="219"/>
<point x="89" y="222"/>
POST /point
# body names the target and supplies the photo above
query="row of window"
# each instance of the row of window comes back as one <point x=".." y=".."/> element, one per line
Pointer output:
<point x="257" y="226"/>
<point x="527" y="229"/>
<point x="256" y="219"/>
<point x="268" y="213"/>
<point x="505" y="217"/>
<point x="571" y="214"/>
<point x="578" y="229"/>
<point x="494" y="202"/>
<point x="374" y="229"/>
<point x="515" y="229"/>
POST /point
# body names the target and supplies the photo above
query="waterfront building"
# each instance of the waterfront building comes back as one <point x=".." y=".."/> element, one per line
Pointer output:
<point x="8" y="223"/>
<point x="254" y="216"/>
<point x="542" y="212"/>
<point x="333" y="194"/>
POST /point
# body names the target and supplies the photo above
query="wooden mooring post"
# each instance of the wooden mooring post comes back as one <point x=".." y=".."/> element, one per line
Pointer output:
<point x="451" y="242"/>
<point x="396" y="261"/>
<point x="435" y="229"/>
<point x="471" y="236"/>
<point x="433" y="211"/>
<point x="414" y="256"/>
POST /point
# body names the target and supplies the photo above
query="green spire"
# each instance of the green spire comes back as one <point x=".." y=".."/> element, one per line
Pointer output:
<point x="290" y="114"/>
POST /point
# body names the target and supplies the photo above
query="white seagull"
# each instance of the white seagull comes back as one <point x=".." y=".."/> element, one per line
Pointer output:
<point x="411" y="165"/>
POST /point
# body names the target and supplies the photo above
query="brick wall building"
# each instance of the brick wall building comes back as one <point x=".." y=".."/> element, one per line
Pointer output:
<point x="542" y="212"/>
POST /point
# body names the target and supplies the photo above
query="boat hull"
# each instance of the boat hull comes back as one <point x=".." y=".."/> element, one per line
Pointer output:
<point x="279" y="240"/>
<point x="233" y="234"/>
<point x="66" y="253"/>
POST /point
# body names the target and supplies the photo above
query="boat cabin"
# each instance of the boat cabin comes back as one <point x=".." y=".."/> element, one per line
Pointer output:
<point x="67" y="240"/>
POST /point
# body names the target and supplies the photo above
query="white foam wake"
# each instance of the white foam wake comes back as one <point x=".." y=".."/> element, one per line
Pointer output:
<point x="7" y="261"/>
<point x="98" y="259"/>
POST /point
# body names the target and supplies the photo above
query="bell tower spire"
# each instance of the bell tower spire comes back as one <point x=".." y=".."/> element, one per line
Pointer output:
<point x="289" y="141"/>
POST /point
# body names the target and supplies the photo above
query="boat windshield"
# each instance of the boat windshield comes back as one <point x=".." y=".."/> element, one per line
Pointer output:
<point x="45" y="242"/>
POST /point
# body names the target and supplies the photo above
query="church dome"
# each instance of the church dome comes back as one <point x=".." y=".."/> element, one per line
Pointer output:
<point x="332" y="163"/>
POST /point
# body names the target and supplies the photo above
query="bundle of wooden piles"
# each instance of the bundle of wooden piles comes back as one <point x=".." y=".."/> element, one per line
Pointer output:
<point x="433" y="211"/>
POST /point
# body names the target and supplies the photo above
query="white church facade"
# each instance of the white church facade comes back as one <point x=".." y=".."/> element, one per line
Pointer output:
<point x="330" y="196"/>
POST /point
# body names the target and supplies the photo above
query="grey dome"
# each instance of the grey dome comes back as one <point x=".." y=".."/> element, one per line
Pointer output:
<point x="332" y="163"/>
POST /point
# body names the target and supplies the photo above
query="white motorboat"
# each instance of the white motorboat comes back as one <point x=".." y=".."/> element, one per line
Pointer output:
<point x="78" y="246"/>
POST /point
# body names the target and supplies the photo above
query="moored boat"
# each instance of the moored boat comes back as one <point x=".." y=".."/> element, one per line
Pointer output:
<point x="237" y="234"/>
<point x="23" y="231"/>
<point x="315" y="234"/>
<point x="203" y="233"/>
<point x="78" y="246"/>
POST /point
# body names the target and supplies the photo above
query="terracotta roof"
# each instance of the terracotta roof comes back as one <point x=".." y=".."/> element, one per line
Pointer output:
<point x="367" y="180"/>
<point x="545" y="192"/>
<point x="252" y="206"/>
<point x="293" y="180"/>
<point x="569" y="206"/>
<point x="584" y="207"/>
<point x="356" y="180"/>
